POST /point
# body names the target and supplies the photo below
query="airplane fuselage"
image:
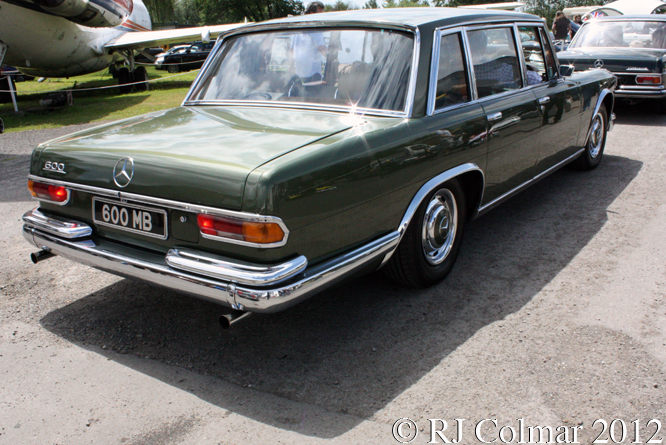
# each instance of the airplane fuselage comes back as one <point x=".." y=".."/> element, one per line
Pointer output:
<point x="46" y="45"/>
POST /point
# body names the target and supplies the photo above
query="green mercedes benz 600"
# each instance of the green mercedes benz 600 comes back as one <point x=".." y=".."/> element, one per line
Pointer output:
<point x="312" y="149"/>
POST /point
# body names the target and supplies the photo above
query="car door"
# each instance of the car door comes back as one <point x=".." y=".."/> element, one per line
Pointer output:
<point x="513" y="119"/>
<point x="558" y="98"/>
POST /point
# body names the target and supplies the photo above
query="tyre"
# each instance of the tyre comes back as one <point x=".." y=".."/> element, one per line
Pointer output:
<point x="2" y="126"/>
<point x="140" y="75"/>
<point x="124" y="77"/>
<point x="594" y="150"/>
<point x="429" y="248"/>
<point x="173" y="68"/>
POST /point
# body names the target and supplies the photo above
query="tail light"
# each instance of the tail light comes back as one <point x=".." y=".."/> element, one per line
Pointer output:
<point x="264" y="233"/>
<point x="648" y="80"/>
<point x="49" y="192"/>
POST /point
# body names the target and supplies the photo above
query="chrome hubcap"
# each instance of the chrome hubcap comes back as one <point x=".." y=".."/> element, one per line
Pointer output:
<point x="440" y="223"/>
<point x="597" y="135"/>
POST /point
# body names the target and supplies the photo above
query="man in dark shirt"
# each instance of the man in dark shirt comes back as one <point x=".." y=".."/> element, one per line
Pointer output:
<point x="561" y="26"/>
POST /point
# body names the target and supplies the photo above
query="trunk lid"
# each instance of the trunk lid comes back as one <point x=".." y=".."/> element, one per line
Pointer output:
<point x="615" y="60"/>
<point x="199" y="155"/>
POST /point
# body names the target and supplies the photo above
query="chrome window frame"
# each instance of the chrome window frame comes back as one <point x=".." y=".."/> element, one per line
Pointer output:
<point x="177" y="205"/>
<point x="434" y="71"/>
<point x="524" y="62"/>
<point x="411" y="87"/>
<point x="434" y="66"/>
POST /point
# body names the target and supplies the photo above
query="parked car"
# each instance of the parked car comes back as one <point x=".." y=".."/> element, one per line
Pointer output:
<point x="159" y="58"/>
<point x="631" y="47"/>
<point x="276" y="180"/>
<point x="191" y="58"/>
<point x="148" y="55"/>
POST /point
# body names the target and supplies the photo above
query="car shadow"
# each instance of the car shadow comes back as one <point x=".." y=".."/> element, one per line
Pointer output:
<point x="647" y="113"/>
<point x="357" y="347"/>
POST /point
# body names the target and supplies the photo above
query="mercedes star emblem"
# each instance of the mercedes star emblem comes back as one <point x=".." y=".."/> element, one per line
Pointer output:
<point x="598" y="63"/>
<point x="123" y="172"/>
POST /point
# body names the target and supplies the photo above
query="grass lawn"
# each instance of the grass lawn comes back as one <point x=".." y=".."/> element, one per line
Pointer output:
<point x="93" y="106"/>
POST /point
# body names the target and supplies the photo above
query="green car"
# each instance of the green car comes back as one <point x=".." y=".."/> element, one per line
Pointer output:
<point x="316" y="148"/>
<point x="631" y="47"/>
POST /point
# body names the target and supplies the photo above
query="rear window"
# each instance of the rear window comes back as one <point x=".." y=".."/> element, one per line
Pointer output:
<point x="363" y="68"/>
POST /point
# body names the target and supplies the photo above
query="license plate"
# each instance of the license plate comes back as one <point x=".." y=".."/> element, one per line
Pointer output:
<point x="131" y="218"/>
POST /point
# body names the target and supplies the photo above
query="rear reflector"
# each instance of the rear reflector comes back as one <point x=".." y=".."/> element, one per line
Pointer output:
<point x="48" y="192"/>
<point x="235" y="229"/>
<point x="648" y="80"/>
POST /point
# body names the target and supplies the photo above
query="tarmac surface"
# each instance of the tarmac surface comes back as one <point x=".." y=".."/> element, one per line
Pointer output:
<point x="555" y="313"/>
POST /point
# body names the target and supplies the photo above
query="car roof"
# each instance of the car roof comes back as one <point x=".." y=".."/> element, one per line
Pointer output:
<point x="409" y="17"/>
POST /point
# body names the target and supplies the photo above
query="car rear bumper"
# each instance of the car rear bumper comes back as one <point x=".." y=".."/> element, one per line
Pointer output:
<point x="239" y="285"/>
<point x="640" y="93"/>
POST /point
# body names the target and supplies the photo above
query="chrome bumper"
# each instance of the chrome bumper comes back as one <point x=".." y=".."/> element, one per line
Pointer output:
<point x="636" y="93"/>
<point x="241" y="286"/>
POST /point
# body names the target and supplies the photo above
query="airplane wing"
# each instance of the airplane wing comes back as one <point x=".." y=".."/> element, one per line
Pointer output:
<point x="146" y="39"/>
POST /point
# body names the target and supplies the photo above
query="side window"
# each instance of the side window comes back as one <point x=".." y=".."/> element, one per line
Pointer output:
<point x="535" y="65"/>
<point x="452" y="82"/>
<point x="551" y="66"/>
<point x="495" y="61"/>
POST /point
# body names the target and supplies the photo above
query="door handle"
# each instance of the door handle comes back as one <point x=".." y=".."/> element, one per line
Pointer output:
<point x="544" y="100"/>
<point x="494" y="117"/>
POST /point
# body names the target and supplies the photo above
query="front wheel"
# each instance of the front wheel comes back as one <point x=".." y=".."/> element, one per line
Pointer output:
<point x="594" y="150"/>
<point x="428" y="250"/>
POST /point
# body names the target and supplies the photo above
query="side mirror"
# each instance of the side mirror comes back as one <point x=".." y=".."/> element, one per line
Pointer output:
<point x="566" y="70"/>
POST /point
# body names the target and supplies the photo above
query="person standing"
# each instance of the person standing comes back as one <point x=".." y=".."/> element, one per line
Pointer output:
<point x="561" y="26"/>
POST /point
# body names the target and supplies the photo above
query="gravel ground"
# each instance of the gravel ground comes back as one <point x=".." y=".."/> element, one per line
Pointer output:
<point x="555" y="314"/>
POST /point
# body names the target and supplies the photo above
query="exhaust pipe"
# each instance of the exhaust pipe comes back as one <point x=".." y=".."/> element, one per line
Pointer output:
<point x="42" y="255"/>
<point x="226" y="320"/>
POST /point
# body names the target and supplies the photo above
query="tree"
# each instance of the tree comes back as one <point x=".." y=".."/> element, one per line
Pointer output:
<point x="405" y="3"/>
<point x="186" y="12"/>
<point x="371" y="4"/>
<point x="231" y="11"/>
<point x="160" y="10"/>
<point x="548" y="8"/>
<point x="339" y="5"/>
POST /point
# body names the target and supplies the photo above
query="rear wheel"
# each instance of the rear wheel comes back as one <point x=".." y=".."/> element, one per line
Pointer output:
<point x="594" y="150"/>
<point x="173" y="68"/>
<point x="140" y="75"/>
<point x="124" y="78"/>
<point x="428" y="250"/>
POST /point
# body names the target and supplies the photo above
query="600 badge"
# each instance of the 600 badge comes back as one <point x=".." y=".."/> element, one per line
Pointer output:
<point x="132" y="218"/>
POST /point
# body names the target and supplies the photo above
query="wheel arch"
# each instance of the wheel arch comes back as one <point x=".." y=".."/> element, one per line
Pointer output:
<point x="471" y="180"/>
<point x="607" y="98"/>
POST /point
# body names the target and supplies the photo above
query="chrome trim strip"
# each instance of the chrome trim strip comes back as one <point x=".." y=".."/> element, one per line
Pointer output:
<point x="526" y="184"/>
<point x="300" y="106"/>
<point x="639" y="93"/>
<point x="57" y="226"/>
<point x="470" y="67"/>
<point x="176" y="205"/>
<point x="236" y="272"/>
<point x="411" y="92"/>
<point x="426" y="189"/>
<point x="151" y="267"/>
<point x="434" y="66"/>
